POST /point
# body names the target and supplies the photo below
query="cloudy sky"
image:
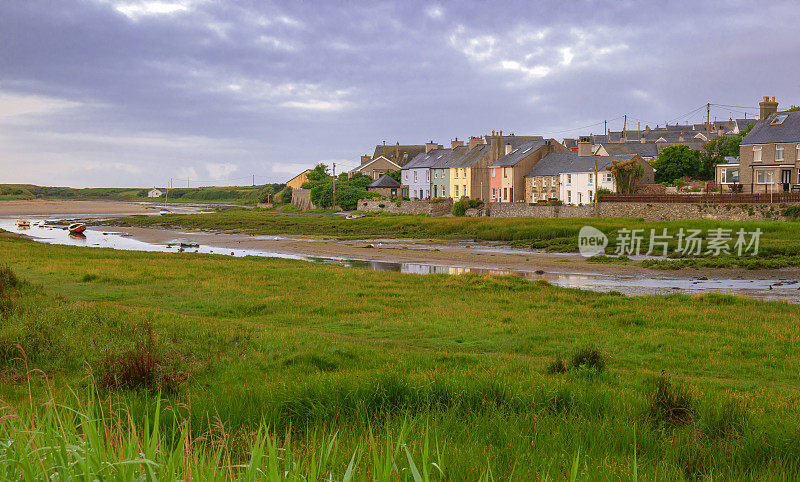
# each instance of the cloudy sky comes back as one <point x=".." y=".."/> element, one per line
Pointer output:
<point x="134" y="92"/>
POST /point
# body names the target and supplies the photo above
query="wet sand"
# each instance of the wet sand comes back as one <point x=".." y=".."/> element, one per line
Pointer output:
<point x="448" y="253"/>
<point x="44" y="207"/>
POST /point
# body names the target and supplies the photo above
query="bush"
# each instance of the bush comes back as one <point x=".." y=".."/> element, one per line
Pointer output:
<point x="792" y="212"/>
<point x="460" y="207"/>
<point x="285" y="195"/>
<point x="670" y="404"/>
<point x="8" y="280"/>
<point x="557" y="366"/>
<point x="589" y="357"/>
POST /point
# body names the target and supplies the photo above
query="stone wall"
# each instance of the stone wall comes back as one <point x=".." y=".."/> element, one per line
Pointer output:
<point x="647" y="211"/>
<point x="301" y="199"/>
<point x="431" y="208"/>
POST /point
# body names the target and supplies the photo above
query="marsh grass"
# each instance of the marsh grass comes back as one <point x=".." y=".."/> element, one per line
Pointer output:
<point x="309" y="352"/>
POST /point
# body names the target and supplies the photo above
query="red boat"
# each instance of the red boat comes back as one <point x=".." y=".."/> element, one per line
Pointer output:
<point x="77" y="228"/>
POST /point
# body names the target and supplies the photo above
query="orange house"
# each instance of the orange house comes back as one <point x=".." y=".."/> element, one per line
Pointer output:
<point x="298" y="181"/>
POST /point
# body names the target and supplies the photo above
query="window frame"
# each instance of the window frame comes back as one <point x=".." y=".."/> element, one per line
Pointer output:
<point x="765" y="171"/>
<point x="782" y="150"/>
<point x="759" y="150"/>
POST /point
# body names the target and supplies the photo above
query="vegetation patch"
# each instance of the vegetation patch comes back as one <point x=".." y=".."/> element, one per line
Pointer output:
<point x="670" y="404"/>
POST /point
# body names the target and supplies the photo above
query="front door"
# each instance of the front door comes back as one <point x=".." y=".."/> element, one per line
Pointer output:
<point x="786" y="179"/>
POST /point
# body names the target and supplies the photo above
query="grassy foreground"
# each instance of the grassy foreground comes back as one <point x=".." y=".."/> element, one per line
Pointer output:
<point x="779" y="242"/>
<point x="454" y="377"/>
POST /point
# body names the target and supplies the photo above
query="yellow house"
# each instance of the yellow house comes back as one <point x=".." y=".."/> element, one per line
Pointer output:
<point x="298" y="181"/>
<point x="460" y="182"/>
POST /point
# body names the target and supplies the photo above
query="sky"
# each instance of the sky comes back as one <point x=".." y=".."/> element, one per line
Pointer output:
<point x="135" y="92"/>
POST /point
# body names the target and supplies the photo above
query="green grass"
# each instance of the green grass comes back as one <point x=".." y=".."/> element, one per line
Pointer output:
<point x="779" y="243"/>
<point x="287" y="347"/>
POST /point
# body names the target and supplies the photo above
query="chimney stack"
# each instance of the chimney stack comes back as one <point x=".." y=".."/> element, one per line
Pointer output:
<point x="430" y="146"/>
<point x="365" y="159"/>
<point x="767" y="107"/>
<point x="497" y="146"/>
<point x="456" y="143"/>
<point x="680" y="139"/>
<point x="584" y="146"/>
<point x="475" y="141"/>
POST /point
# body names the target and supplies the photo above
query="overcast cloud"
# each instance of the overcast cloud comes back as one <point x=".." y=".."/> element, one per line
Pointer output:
<point x="133" y="92"/>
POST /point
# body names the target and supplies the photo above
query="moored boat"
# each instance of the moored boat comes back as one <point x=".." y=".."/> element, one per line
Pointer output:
<point x="76" y="228"/>
<point x="165" y="211"/>
<point x="23" y="223"/>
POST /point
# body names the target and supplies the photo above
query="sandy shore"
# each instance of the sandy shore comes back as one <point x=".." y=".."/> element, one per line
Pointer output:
<point x="42" y="207"/>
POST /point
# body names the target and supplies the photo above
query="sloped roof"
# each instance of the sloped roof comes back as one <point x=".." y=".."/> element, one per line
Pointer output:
<point x="764" y="132"/>
<point x="452" y="158"/>
<point x="407" y="152"/>
<point x="469" y="157"/>
<point x="363" y="166"/>
<point x="743" y="123"/>
<point x="557" y="163"/>
<point x="385" y="181"/>
<point x="427" y="160"/>
<point x="524" y="150"/>
<point x="644" y="149"/>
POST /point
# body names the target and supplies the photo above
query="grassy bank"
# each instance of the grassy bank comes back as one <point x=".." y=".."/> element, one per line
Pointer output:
<point x="779" y="242"/>
<point x="222" y="195"/>
<point x="677" y="386"/>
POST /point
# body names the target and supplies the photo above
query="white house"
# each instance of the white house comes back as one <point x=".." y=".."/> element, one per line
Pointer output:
<point x="155" y="192"/>
<point x="578" y="188"/>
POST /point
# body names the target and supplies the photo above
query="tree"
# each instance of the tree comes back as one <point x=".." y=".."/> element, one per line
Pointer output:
<point x="394" y="175"/>
<point x="676" y="162"/>
<point x="317" y="176"/>
<point x="718" y="149"/>
<point x="285" y="195"/>
<point x="794" y="107"/>
<point x="626" y="173"/>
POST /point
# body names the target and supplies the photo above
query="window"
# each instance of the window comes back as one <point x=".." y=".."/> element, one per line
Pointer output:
<point x="765" y="177"/>
<point x="779" y="153"/>
<point x="580" y="199"/>
<point x="729" y="175"/>
<point x="494" y="193"/>
<point x="798" y="152"/>
<point x="607" y="177"/>
<point x="436" y="174"/>
<point x="533" y="197"/>
<point x="590" y="177"/>
<point x="456" y="191"/>
<point x="505" y="193"/>
<point x="534" y="182"/>
<point x="415" y="176"/>
<point x="428" y="176"/>
<point x="465" y="190"/>
<point x="464" y="172"/>
<point x="591" y="200"/>
<point x="778" y="120"/>
<point x="569" y="196"/>
<point x="569" y="178"/>
<point x="756" y="153"/>
<point x="406" y="175"/>
<point x="505" y="172"/>
<point x="493" y="170"/>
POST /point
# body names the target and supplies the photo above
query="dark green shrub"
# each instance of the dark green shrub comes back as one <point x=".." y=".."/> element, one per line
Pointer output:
<point x="670" y="404"/>
<point x="460" y="207"/>
<point x="557" y="366"/>
<point x="589" y="357"/>
<point x="792" y="212"/>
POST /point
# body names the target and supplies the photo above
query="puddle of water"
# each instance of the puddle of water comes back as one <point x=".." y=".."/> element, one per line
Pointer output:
<point x="769" y="289"/>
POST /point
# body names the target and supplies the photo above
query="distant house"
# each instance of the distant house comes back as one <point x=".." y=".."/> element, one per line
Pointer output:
<point x="440" y="170"/>
<point x="298" y="181"/>
<point x="385" y="185"/>
<point x="769" y="156"/>
<point x="374" y="168"/>
<point x="397" y="153"/>
<point x="155" y="192"/>
<point x="647" y="150"/>
<point x="726" y="174"/>
<point x="507" y="174"/>
<point x="416" y="175"/>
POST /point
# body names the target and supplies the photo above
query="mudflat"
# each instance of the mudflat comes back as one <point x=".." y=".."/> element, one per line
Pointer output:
<point x="42" y="207"/>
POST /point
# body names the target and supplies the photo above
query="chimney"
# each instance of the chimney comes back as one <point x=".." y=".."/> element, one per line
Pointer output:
<point x="476" y="141"/>
<point x="767" y="107"/>
<point x="429" y="146"/>
<point x="508" y="149"/>
<point x="456" y="143"/>
<point x="365" y="159"/>
<point x="680" y="139"/>
<point x="397" y="150"/>
<point x="584" y="146"/>
<point x="497" y="147"/>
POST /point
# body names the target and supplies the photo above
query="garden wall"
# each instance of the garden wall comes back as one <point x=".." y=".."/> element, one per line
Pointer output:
<point x="301" y="199"/>
<point x="431" y="208"/>
<point x="647" y="211"/>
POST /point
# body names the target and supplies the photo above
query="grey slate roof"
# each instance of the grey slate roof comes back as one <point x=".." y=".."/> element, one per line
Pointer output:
<point x="764" y="133"/>
<point x="556" y="163"/>
<point x="524" y="150"/>
<point x="427" y="160"/>
<point x="644" y="149"/>
<point x="385" y="181"/>
<point x="469" y="157"/>
<point x="743" y="123"/>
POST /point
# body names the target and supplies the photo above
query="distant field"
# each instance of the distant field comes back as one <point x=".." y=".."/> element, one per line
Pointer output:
<point x="225" y="195"/>
<point x="779" y="243"/>
<point x="677" y="387"/>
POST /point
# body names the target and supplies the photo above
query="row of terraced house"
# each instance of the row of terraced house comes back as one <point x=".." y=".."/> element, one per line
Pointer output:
<point x="514" y="168"/>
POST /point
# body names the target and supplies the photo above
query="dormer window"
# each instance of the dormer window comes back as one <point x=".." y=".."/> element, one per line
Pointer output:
<point x="779" y="153"/>
<point x="778" y="120"/>
<point x="756" y="153"/>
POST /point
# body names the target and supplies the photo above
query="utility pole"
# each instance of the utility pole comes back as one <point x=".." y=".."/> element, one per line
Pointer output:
<point x="187" y="181"/>
<point x="624" y="124"/>
<point x="708" y="121"/>
<point x="334" y="185"/>
<point x="605" y="129"/>
<point x="596" y="186"/>
<point x="254" y="179"/>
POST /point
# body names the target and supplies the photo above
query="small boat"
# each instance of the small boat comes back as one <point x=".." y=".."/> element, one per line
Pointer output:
<point x="207" y="212"/>
<point x="354" y="216"/>
<point x="165" y="211"/>
<point x="23" y="223"/>
<point x="76" y="228"/>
